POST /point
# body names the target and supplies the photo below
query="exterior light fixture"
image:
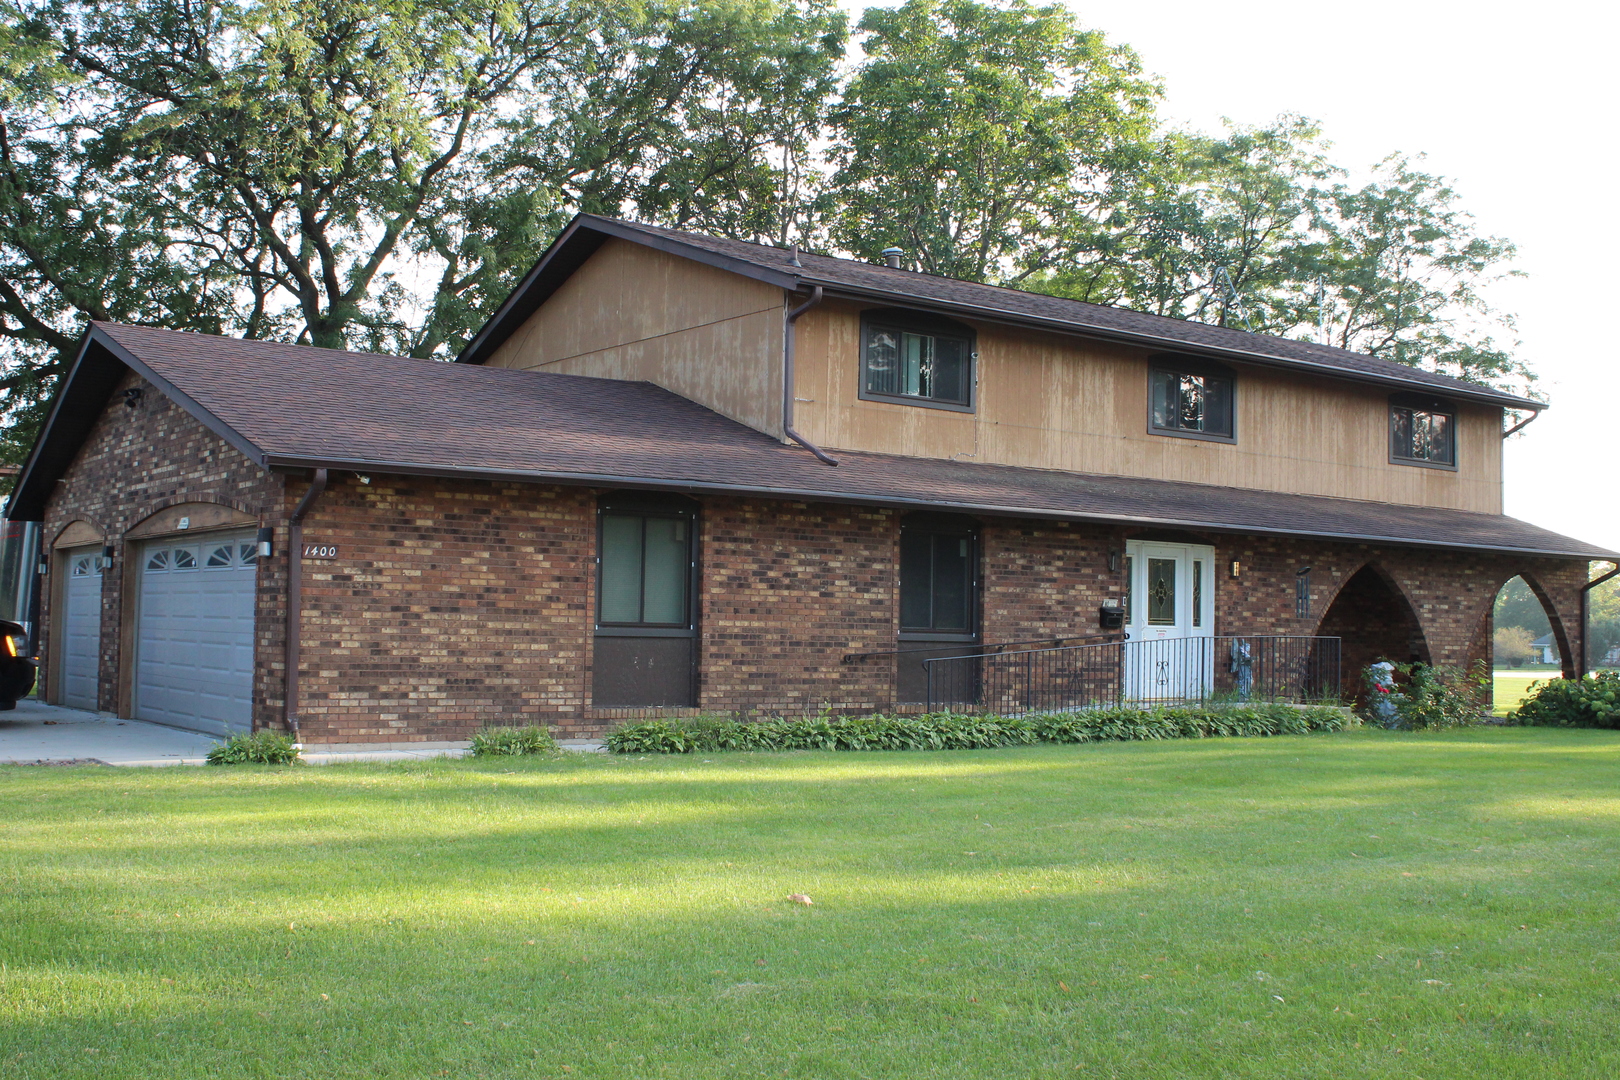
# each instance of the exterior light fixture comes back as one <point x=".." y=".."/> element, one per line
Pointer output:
<point x="106" y="560"/>
<point x="363" y="478"/>
<point x="132" y="396"/>
<point x="266" y="548"/>
<point x="1237" y="568"/>
<point x="1113" y="560"/>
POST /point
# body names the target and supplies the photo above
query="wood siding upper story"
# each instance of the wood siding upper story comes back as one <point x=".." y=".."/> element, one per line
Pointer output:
<point x="1057" y="402"/>
<point x="632" y="312"/>
<point x="1043" y="400"/>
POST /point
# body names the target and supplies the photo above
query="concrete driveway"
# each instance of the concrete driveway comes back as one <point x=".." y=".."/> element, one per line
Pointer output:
<point x="36" y="733"/>
<point x="39" y="734"/>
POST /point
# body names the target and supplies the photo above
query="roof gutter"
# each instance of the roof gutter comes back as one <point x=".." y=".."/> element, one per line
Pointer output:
<point x="1586" y="609"/>
<point x="593" y="479"/>
<point x="295" y="594"/>
<point x="787" y="377"/>
<point x="1522" y="424"/>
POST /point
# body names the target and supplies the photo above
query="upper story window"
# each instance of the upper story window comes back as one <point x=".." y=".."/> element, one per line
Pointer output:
<point x="916" y="359"/>
<point x="1190" y="399"/>
<point x="1422" y="431"/>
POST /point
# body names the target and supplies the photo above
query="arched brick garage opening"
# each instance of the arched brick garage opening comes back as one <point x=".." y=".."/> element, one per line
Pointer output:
<point x="1374" y="621"/>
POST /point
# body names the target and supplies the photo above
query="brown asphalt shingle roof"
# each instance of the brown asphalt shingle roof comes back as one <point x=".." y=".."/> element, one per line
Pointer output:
<point x="969" y="299"/>
<point x="294" y="406"/>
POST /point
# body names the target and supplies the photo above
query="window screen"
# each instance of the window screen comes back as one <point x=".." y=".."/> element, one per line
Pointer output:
<point x="936" y="580"/>
<point x="646" y="562"/>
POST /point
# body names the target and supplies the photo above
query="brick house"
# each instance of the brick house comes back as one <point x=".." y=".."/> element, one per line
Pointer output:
<point x="679" y="472"/>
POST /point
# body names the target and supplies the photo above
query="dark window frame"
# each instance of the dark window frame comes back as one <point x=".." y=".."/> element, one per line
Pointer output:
<point x="1422" y="403"/>
<point x="962" y="528"/>
<point x="1177" y="366"/>
<point x="665" y="508"/>
<point x="919" y="322"/>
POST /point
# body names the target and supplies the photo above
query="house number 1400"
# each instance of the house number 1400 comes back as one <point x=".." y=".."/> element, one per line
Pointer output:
<point x="320" y="551"/>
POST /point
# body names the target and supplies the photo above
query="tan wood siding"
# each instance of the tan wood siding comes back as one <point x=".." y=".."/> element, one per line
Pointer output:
<point x="1054" y="402"/>
<point x="632" y="312"/>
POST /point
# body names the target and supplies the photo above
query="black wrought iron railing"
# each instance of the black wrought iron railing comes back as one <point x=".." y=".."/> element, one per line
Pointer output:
<point x="1156" y="671"/>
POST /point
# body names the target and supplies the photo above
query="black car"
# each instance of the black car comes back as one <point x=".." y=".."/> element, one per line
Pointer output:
<point x="17" y="670"/>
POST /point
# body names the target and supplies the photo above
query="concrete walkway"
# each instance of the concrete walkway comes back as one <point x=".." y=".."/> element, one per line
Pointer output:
<point x="39" y="734"/>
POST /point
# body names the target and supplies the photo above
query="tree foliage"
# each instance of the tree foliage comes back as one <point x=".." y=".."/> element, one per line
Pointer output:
<point x="376" y="174"/>
<point x="367" y="173"/>
<point x="1511" y="645"/>
<point x="1516" y="605"/>
<point x="985" y="139"/>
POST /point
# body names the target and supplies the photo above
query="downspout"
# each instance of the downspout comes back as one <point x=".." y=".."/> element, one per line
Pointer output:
<point x="787" y="379"/>
<point x="1586" y="608"/>
<point x="295" y="590"/>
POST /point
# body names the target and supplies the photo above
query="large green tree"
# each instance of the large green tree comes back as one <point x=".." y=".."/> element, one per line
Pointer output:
<point x="367" y="173"/>
<point x="376" y="173"/>
<point x="1258" y="230"/>
<point x="986" y="139"/>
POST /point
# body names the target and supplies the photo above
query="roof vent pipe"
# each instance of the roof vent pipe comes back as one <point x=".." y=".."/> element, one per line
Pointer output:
<point x="892" y="257"/>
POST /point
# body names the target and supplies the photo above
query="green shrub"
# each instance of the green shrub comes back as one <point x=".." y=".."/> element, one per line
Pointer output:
<point x="1590" y="702"/>
<point x="512" y="741"/>
<point x="260" y="748"/>
<point x="1428" y="698"/>
<point x="952" y="731"/>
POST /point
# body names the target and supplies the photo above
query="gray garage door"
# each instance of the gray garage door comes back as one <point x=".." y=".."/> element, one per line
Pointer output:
<point x="80" y="669"/>
<point x="194" y="652"/>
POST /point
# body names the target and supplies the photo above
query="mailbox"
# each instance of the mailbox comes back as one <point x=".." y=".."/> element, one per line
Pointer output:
<point x="1111" y="616"/>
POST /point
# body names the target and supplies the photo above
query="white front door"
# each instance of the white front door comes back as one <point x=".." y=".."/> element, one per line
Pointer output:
<point x="1170" y="621"/>
<point x="80" y="669"/>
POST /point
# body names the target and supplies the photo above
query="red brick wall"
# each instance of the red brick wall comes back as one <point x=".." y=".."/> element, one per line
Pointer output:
<point x="1450" y="592"/>
<point x="135" y="462"/>
<point x="454" y="605"/>
<point x="457" y="604"/>
<point x="788" y="590"/>
<point x="1046" y="579"/>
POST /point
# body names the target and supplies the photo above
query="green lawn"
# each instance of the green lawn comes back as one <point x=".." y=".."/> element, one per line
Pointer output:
<point x="1360" y="905"/>
<point x="1507" y="691"/>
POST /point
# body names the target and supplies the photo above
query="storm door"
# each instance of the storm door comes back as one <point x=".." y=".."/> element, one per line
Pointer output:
<point x="646" y="621"/>
<point x="1170" y="621"/>
<point x="939" y="600"/>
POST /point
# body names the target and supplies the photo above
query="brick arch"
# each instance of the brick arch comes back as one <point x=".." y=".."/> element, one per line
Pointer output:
<point x="142" y="515"/>
<point x="1483" y="633"/>
<point x="1374" y="619"/>
<point x="77" y="532"/>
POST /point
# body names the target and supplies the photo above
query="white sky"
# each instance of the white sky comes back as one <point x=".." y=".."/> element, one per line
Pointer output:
<point x="1514" y="104"/>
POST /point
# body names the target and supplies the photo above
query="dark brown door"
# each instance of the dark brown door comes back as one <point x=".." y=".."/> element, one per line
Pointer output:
<point x="939" y="606"/>
<point x="646" y="630"/>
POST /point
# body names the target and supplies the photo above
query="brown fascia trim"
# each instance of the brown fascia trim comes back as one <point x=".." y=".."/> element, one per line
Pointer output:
<point x="485" y="342"/>
<point x="567" y="479"/>
<point x="97" y="338"/>
<point x="570" y="246"/>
